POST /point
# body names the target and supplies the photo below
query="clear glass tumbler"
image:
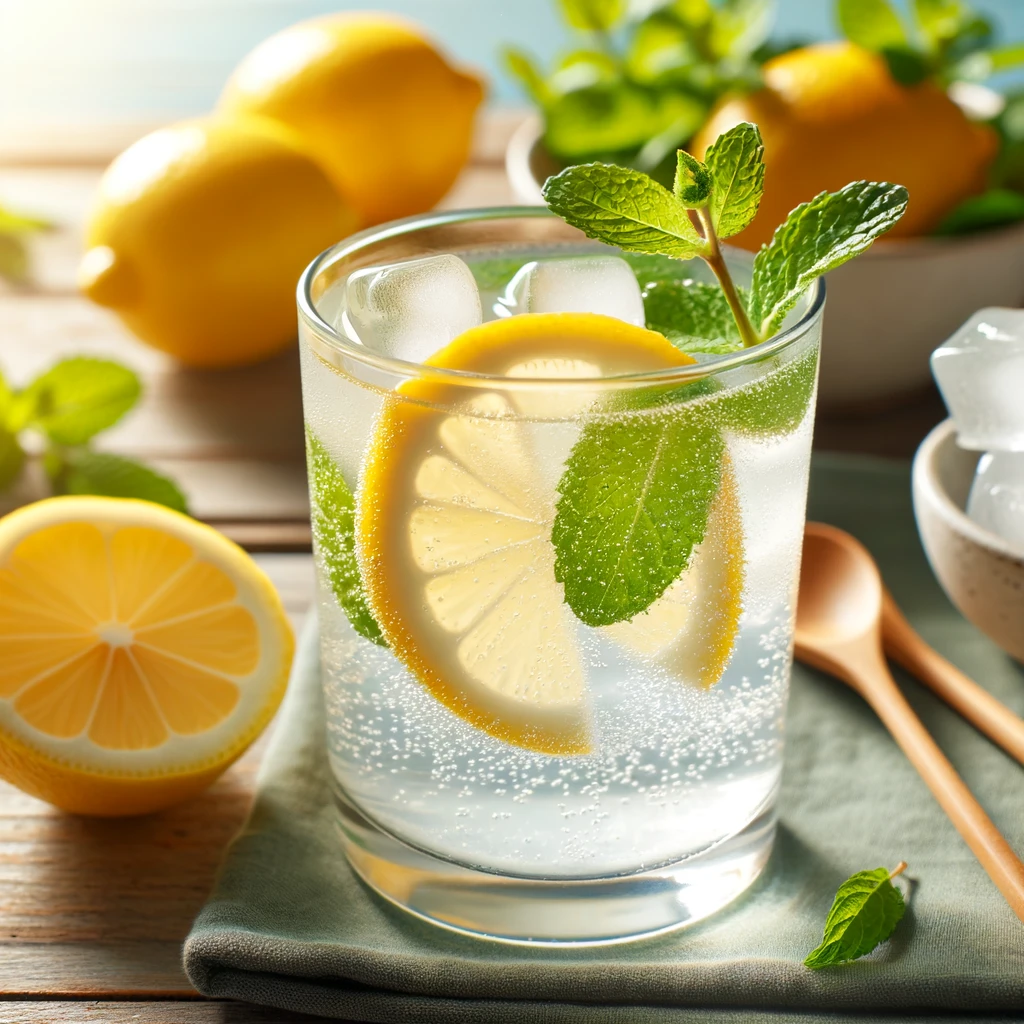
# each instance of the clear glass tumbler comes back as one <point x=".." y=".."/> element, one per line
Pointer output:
<point x="508" y="759"/>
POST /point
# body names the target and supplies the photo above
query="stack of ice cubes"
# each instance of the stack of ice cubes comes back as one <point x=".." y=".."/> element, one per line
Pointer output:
<point x="413" y="309"/>
<point x="980" y="372"/>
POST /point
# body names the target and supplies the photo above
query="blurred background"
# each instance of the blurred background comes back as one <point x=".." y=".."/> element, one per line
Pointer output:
<point x="70" y="69"/>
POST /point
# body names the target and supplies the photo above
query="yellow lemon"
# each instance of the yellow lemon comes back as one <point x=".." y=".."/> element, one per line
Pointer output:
<point x="141" y="652"/>
<point x="387" y="117"/>
<point x="831" y="113"/>
<point x="454" y="521"/>
<point x="199" y="233"/>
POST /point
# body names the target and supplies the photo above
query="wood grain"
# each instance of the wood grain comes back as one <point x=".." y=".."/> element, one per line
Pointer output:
<point x="130" y="1012"/>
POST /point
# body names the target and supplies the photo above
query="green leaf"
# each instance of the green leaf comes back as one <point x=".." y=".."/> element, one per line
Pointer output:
<point x="593" y="15"/>
<point x="873" y="24"/>
<point x="777" y="402"/>
<point x="78" y="397"/>
<point x="736" y="162"/>
<point x="89" y="472"/>
<point x="906" y="65"/>
<point x="333" y="520"/>
<point x="650" y="270"/>
<point x="695" y="317"/>
<point x="992" y="209"/>
<point x="12" y="458"/>
<point x="815" y="238"/>
<point x="693" y="181"/>
<point x="940" y="20"/>
<point x="659" y="46"/>
<point x="581" y="69"/>
<point x="633" y="503"/>
<point x="624" y="208"/>
<point x="739" y="27"/>
<point x="520" y="65"/>
<point x="12" y="223"/>
<point x="493" y="275"/>
<point x="865" y="912"/>
<point x="14" y="261"/>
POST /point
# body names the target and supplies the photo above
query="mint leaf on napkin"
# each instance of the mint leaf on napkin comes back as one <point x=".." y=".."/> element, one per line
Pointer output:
<point x="736" y="163"/>
<point x="634" y="502"/>
<point x="623" y="207"/>
<point x="865" y="912"/>
<point x="815" y="238"/>
<point x="333" y="521"/>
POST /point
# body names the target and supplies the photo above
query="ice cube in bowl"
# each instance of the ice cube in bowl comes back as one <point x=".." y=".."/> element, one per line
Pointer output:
<point x="576" y="284"/>
<point x="996" y="501"/>
<point x="981" y="572"/>
<point x="410" y="310"/>
<point x="980" y="372"/>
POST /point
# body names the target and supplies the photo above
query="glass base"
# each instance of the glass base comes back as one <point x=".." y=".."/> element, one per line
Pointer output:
<point x="555" y="912"/>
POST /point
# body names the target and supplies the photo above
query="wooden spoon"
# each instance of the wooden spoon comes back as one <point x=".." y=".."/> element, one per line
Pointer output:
<point x="838" y="630"/>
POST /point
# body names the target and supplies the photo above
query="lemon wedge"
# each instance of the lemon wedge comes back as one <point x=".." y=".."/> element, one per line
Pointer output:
<point x="454" y="522"/>
<point x="140" y="653"/>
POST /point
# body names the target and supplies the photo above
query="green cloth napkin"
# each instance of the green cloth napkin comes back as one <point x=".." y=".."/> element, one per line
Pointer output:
<point x="290" y="926"/>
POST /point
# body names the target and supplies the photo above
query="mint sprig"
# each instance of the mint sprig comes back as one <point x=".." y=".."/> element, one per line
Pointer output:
<point x="65" y="408"/>
<point x="866" y="909"/>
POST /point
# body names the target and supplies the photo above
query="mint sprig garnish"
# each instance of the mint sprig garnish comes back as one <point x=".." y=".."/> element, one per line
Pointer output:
<point x="332" y="515"/>
<point x="714" y="200"/>
<point x="866" y="909"/>
<point x="65" y="408"/>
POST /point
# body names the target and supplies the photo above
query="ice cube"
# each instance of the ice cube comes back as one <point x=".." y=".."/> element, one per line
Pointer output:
<point x="578" y="284"/>
<point x="411" y="310"/>
<point x="996" y="501"/>
<point x="980" y="372"/>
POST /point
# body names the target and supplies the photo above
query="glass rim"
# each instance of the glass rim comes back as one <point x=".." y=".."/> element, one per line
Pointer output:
<point x="346" y="347"/>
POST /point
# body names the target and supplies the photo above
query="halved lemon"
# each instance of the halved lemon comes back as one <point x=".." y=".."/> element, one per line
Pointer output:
<point x="454" y="519"/>
<point x="140" y="653"/>
<point x="691" y="629"/>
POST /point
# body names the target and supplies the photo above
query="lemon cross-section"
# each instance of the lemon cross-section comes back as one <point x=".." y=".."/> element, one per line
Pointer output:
<point x="140" y="653"/>
<point x="454" y="515"/>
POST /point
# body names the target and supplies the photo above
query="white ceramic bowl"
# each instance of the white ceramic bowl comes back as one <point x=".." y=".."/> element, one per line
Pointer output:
<point x="887" y="310"/>
<point x="982" y="574"/>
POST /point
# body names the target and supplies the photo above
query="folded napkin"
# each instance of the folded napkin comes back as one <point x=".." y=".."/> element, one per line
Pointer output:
<point x="289" y="925"/>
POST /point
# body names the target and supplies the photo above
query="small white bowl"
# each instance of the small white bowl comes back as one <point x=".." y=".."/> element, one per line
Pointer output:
<point x="886" y="311"/>
<point x="982" y="573"/>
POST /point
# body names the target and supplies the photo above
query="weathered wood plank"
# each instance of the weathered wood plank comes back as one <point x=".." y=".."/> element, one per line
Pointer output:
<point x="198" y="1011"/>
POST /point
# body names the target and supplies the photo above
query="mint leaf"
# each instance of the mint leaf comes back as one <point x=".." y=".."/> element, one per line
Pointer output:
<point x="692" y="182"/>
<point x="78" y="397"/>
<point x="777" y="402"/>
<point x="739" y="27"/>
<point x="633" y="503"/>
<point x="736" y="163"/>
<point x="815" y="238"/>
<point x="994" y="208"/>
<point x="521" y="66"/>
<point x="593" y="15"/>
<point x="623" y="207"/>
<point x="493" y="275"/>
<point x="940" y="20"/>
<point x="694" y="317"/>
<point x="865" y="912"/>
<point x="88" y="472"/>
<point x="14" y="261"/>
<point x="333" y="519"/>
<point x="873" y="24"/>
<point x="650" y="270"/>
<point x="12" y="458"/>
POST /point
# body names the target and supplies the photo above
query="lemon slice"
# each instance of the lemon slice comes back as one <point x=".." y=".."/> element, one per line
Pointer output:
<point x="454" y="525"/>
<point x="691" y="629"/>
<point x="140" y="653"/>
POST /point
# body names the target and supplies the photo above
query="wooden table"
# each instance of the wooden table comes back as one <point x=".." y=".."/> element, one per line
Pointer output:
<point x="93" y="913"/>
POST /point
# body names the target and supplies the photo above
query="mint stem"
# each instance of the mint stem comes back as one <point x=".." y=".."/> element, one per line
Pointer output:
<point x="716" y="261"/>
<point x="898" y="870"/>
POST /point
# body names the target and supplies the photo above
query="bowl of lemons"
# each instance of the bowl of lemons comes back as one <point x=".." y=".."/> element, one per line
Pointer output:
<point x="891" y="102"/>
<point x="200" y="230"/>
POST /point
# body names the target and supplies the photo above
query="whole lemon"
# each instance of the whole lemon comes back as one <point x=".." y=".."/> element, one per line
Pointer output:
<point x="831" y="113"/>
<point x="386" y="116"/>
<point x="200" y="232"/>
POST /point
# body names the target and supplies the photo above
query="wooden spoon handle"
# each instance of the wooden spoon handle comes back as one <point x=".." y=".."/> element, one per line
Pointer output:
<point x="978" y="831"/>
<point x="943" y="678"/>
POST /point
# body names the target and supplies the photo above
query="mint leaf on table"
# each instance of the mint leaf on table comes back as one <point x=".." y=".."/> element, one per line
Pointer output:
<point x="873" y="24"/>
<point x="77" y="398"/>
<point x="865" y="912"/>
<point x="633" y="503"/>
<point x="815" y="238"/>
<point x="87" y="472"/>
<point x="623" y="207"/>
<point x="333" y="520"/>
<point x="736" y="163"/>
<point x="695" y="317"/>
